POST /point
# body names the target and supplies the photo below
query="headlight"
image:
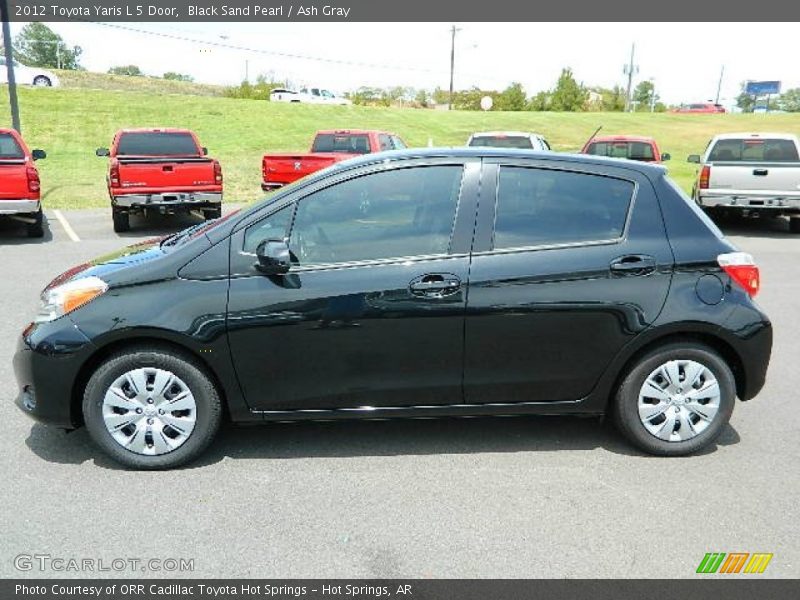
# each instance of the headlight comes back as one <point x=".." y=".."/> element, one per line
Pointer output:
<point x="63" y="299"/>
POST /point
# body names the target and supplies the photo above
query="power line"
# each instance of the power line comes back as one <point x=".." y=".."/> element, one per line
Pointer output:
<point x="230" y="46"/>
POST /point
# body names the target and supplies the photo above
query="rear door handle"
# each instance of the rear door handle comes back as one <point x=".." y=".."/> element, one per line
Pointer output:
<point x="435" y="285"/>
<point x="760" y="172"/>
<point x="633" y="264"/>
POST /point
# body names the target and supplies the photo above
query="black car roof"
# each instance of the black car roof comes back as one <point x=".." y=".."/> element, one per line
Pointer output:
<point x="512" y="153"/>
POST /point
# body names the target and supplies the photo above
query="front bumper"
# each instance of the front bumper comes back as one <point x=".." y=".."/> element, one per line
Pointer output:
<point x="47" y="362"/>
<point x="195" y="199"/>
<point x="750" y="202"/>
<point x="16" y="207"/>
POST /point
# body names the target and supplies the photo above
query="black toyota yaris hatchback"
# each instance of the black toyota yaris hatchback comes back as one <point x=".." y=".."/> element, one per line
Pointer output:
<point x="410" y="284"/>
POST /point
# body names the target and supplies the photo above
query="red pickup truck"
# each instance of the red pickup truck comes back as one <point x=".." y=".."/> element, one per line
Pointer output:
<point x="632" y="147"/>
<point x="161" y="170"/>
<point x="329" y="147"/>
<point x="20" y="187"/>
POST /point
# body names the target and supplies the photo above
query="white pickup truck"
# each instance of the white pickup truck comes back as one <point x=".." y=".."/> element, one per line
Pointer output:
<point x="310" y="95"/>
<point x="752" y="174"/>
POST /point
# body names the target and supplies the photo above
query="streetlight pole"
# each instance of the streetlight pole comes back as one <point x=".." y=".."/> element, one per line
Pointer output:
<point x="453" y="31"/>
<point x="630" y="70"/>
<point x="9" y="53"/>
<point x="719" y="85"/>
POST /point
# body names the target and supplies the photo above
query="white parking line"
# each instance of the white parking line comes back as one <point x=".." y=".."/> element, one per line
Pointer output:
<point x="67" y="227"/>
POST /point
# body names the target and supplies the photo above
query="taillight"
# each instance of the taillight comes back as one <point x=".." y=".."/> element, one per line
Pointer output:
<point x="742" y="269"/>
<point x="34" y="185"/>
<point x="217" y="172"/>
<point x="113" y="176"/>
<point x="705" y="175"/>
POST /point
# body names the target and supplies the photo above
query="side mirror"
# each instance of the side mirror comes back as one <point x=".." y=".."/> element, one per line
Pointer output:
<point x="205" y="151"/>
<point x="38" y="154"/>
<point x="102" y="152"/>
<point x="274" y="257"/>
<point x="694" y="158"/>
<point x="665" y="156"/>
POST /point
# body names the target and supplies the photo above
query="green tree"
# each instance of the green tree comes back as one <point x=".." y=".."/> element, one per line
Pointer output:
<point x="39" y="46"/>
<point x="744" y="100"/>
<point x="540" y="101"/>
<point x="172" y="76"/>
<point x="131" y="70"/>
<point x="644" y="94"/>
<point x="512" y="98"/>
<point x="569" y="95"/>
<point x="422" y="98"/>
<point x="790" y="100"/>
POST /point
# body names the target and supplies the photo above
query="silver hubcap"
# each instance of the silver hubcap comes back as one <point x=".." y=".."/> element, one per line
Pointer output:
<point x="149" y="411"/>
<point x="679" y="400"/>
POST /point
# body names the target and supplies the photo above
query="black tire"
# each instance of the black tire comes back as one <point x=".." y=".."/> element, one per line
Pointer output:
<point x="42" y="81"/>
<point x="625" y="405"/>
<point x="206" y="397"/>
<point x="122" y="221"/>
<point x="212" y="213"/>
<point x="36" y="229"/>
<point x="794" y="224"/>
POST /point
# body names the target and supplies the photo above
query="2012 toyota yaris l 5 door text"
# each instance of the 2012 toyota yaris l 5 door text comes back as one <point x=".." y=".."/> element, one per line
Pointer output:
<point x="412" y="284"/>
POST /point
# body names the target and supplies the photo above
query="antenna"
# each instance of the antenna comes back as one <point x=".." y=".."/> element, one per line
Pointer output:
<point x="591" y="137"/>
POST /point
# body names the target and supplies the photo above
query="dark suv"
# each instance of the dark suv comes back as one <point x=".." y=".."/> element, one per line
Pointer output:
<point x="411" y="284"/>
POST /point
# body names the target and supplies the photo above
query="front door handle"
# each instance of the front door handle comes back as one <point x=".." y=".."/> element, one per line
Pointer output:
<point x="435" y="285"/>
<point x="760" y="172"/>
<point x="633" y="264"/>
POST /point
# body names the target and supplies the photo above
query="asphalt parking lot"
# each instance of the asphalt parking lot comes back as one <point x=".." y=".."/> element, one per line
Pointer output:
<point x="521" y="497"/>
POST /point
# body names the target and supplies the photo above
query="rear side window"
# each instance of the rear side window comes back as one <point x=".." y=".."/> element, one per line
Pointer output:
<point x="750" y="149"/>
<point x="630" y="150"/>
<point x="538" y="207"/>
<point x="501" y="141"/>
<point x="9" y="148"/>
<point x="157" y="144"/>
<point x="349" y="144"/>
<point x="385" y="142"/>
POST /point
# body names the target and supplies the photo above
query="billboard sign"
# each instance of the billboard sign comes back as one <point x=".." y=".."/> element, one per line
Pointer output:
<point x="762" y="88"/>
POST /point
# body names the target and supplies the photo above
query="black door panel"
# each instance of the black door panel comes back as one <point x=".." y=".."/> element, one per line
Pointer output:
<point x="544" y="322"/>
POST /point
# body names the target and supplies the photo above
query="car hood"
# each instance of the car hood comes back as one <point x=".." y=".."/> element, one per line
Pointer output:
<point x="104" y="266"/>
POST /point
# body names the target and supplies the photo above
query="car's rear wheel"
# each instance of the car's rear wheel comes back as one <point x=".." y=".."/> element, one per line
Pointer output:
<point x="36" y="228"/>
<point x="42" y="81"/>
<point x="151" y="409"/>
<point x="794" y="224"/>
<point x="676" y="399"/>
<point x="122" y="221"/>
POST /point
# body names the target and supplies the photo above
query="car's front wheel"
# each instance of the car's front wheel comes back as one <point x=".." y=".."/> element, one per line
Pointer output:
<point x="42" y="81"/>
<point x="676" y="399"/>
<point x="151" y="408"/>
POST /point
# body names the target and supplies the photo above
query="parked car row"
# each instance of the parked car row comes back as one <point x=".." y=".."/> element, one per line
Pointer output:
<point x="167" y="170"/>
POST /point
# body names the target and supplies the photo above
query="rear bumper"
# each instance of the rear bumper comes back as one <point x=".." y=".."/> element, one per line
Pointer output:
<point x="167" y="199"/>
<point x="15" y="207"/>
<point x="46" y="365"/>
<point x="761" y="202"/>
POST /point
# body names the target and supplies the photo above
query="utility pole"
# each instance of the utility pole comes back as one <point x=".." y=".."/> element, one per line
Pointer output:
<point x="247" y="70"/>
<point x="453" y="31"/>
<point x="9" y="52"/>
<point x="630" y="69"/>
<point x="719" y="85"/>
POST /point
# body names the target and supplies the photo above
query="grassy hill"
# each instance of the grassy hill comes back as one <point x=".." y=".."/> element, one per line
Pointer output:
<point x="70" y="123"/>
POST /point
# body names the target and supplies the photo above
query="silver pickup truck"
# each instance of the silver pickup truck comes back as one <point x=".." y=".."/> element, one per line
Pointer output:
<point x="752" y="174"/>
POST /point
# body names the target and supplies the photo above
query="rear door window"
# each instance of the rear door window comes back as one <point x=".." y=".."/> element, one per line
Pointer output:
<point x="631" y="150"/>
<point x="9" y="148"/>
<point x="336" y="142"/>
<point x="157" y="144"/>
<point x="754" y="150"/>
<point x="540" y="207"/>
<point x="501" y="141"/>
